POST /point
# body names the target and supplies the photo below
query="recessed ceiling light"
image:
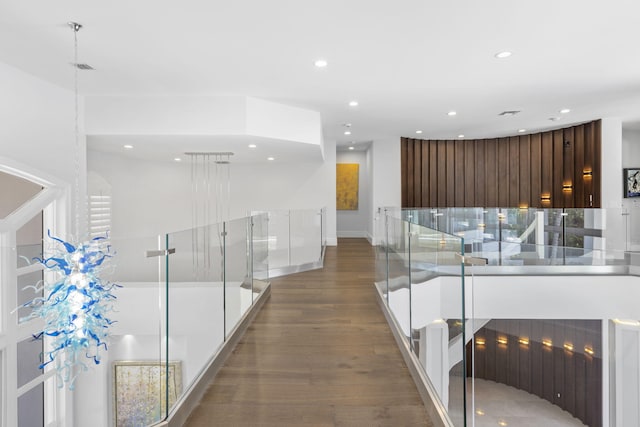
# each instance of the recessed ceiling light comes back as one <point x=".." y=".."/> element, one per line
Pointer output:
<point x="565" y="111"/>
<point x="353" y="104"/>
<point x="522" y="130"/>
<point x="252" y="145"/>
<point x="177" y="159"/>
<point x="461" y="135"/>
<point x="351" y="148"/>
<point x="347" y="132"/>
<point x="320" y="63"/>
<point x="271" y="158"/>
<point x="509" y="113"/>
<point x="347" y="125"/>
<point x="554" y="119"/>
<point x="451" y="113"/>
<point x="418" y="131"/>
<point x="503" y="54"/>
<point x="128" y="147"/>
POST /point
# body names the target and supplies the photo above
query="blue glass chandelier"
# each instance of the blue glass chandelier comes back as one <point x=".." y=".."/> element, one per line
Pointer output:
<point x="74" y="307"/>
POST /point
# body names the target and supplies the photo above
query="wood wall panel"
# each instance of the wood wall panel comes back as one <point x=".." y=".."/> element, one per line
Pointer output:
<point x="469" y="174"/>
<point x="514" y="172"/>
<point x="450" y="176"/>
<point x="491" y="172"/>
<point x="505" y="172"/>
<point x="535" y="145"/>
<point x="444" y="184"/>
<point x="578" y="167"/>
<point x="424" y="174"/>
<point x="480" y="165"/>
<point x="433" y="173"/>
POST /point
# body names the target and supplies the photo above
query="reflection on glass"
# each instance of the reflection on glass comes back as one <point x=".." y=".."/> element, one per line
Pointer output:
<point x="31" y="407"/>
<point x="29" y="360"/>
<point x="29" y="286"/>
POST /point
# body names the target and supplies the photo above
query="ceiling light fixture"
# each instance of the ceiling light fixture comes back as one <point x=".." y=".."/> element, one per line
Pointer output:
<point x="509" y="113"/>
<point x="352" y="148"/>
<point x="128" y="147"/>
<point x="177" y="159"/>
<point x="565" y="111"/>
<point x="522" y="130"/>
<point x="271" y="158"/>
<point x="451" y="113"/>
<point x="353" y="104"/>
<point x="321" y="63"/>
<point x="461" y="135"/>
<point x="252" y="145"/>
<point x="418" y="131"/>
<point x="554" y="119"/>
<point x="347" y="132"/>
<point x="503" y="54"/>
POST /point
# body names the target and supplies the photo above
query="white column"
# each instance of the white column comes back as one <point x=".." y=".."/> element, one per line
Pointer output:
<point x="434" y="356"/>
<point x="625" y="369"/>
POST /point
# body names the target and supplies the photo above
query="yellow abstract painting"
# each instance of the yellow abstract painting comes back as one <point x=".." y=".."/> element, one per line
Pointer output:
<point x="347" y="186"/>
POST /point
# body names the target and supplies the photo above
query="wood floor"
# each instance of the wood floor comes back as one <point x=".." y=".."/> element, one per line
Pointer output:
<point x="320" y="353"/>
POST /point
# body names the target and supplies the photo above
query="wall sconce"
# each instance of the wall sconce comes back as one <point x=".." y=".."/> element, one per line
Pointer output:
<point x="568" y="346"/>
<point x="545" y="198"/>
<point x="547" y="343"/>
<point x="524" y="341"/>
<point x="503" y="340"/>
<point x="567" y="187"/>
<point x="589" y="350"/>
<point x="480" y="341"/>
<point x="523" y="206"/>
<point x="587" y="173"/>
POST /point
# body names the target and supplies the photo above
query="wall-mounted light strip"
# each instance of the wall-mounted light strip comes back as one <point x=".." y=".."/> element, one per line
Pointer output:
<point x="480" y="341"/>
<point x="524" y="341"/>
<point x="567" y="187"/>
<point x="545" y="197"/>
<point x="547" y="343"/>
<point x="568" y="346"/>
<point x="503" y="340"/>
<point x="589" y="350"/>
<point x="587" y="173"/>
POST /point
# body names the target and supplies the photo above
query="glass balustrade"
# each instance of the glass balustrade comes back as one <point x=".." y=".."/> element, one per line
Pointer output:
<point x="550" y="301"/>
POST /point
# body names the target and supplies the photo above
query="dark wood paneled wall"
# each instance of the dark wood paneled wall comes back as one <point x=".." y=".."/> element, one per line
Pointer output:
<point x="559" y="168"/>
<point x="570" y="379"/>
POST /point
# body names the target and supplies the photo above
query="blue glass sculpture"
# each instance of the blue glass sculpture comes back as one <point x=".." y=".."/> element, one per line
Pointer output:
<point x="74" y="307"/>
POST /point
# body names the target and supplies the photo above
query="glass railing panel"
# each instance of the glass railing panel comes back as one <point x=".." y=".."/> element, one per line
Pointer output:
<point x="279" y="240"/>
<point x="260" y="248"/>
<point x="238" y="280"/>
<point x="398" y="294"/>
<point x="305" y="236"/>
<point x="195" y="321"/>
<point x="137" y="346"/>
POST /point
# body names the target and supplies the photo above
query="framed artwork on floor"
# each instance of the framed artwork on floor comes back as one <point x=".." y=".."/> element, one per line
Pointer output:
<point x="140" y="391"/>
<point x="631" y="182"/>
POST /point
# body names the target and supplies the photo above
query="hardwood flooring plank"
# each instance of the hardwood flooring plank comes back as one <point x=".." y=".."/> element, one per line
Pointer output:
<point x="319" y="353"/>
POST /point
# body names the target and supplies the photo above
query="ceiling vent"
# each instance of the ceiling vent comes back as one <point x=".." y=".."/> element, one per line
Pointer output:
<point x="509" y="113"/>
<point x="82" y="66"/>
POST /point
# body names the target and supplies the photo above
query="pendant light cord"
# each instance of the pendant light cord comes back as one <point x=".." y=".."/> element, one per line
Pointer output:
<point x="76" y="27"/>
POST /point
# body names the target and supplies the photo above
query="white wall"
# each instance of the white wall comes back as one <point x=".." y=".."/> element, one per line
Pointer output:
<point x="155" y="197"/>
<point x="386" y="187"/>
<point x="38" y="130"/>
<point x="611" y="160"/>
<point x="630" y="159"/>
<point x="357" y="222"/>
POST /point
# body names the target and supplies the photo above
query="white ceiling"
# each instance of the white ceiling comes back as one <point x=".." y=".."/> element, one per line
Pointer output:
<point x="407" y="62"/>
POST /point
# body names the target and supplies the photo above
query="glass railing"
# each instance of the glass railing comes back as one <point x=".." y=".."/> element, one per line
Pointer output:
<point x="551" y="330"/>
<point x="182" y="296"/>
<point x="295" y="238"/>
<point x="410" y="260"/>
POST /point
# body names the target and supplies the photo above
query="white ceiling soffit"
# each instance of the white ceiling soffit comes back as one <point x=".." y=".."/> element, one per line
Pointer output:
<point x="407" y="63"/>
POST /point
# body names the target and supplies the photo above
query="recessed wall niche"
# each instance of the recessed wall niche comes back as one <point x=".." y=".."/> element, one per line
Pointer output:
<point x="559" y="168"/>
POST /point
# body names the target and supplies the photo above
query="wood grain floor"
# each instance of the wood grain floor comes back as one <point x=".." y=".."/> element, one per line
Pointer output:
<point x="320" y="353"/>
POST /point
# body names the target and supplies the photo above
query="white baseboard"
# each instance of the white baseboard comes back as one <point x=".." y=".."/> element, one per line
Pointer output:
<point x="332" y="241"/>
